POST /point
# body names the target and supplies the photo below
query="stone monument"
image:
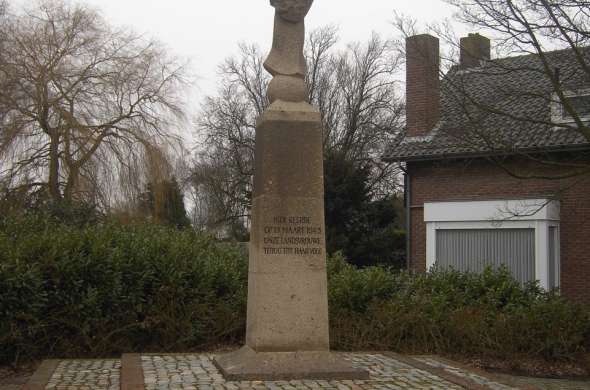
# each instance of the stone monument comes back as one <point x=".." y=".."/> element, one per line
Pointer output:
<point x="287" y="335"/>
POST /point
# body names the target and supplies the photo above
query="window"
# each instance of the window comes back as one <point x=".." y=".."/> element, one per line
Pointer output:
<point x="580" y="104"/>
<point x="475" y="249"/>
<point x="522" y="235"/>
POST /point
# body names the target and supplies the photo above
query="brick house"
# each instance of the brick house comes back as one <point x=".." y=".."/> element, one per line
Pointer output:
<point x="478" y="147"/>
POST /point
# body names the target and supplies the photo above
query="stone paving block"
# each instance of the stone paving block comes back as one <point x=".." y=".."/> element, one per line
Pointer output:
<point x="386" y="373"/>
<point x="86" y="375"/>
<point x="463" y="373"/>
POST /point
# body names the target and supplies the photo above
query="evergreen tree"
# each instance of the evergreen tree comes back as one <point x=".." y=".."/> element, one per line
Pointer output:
<point x="164" y="202"/>
<point x="366" y="230"/>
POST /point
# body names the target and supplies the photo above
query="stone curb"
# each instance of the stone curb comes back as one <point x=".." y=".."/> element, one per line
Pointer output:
<point x="131" y="372"/>
<point x="485" y="374"/>
<point x="42" y="375"/>
<point x="439" y="372"/>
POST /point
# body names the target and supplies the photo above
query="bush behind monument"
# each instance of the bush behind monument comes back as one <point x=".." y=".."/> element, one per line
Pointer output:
<point x="105" y="289"/>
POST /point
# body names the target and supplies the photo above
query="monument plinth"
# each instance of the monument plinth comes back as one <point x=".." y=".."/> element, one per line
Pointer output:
<point x="287" y="334"/>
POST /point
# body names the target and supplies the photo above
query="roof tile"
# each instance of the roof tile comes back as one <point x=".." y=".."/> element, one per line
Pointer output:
<point x="504" y="106"/>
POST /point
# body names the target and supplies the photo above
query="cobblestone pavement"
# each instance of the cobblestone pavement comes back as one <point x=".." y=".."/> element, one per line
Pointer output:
<point x="198" y="372"/>
<point x="86" y="375"/>
<point x="461" y="372"/>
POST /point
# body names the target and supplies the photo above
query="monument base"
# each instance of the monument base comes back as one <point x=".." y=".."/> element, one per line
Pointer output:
<point x="249" y="365"/>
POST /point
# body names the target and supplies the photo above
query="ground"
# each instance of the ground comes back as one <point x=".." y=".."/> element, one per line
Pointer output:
<point x="196" y="371"/>
<point x="526" y="366"/>
<point x="14" y="380"/>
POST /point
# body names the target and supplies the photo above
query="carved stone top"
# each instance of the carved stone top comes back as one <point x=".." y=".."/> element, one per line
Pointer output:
<point x="286" y="61"/>
<point x="293" y="11"/>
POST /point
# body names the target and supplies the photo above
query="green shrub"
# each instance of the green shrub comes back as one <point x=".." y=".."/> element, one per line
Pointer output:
<point x="106" y="289"/>
<point x="101" y="290"/>
<point x="354" y="289"/>
<point x="487" y="314"/>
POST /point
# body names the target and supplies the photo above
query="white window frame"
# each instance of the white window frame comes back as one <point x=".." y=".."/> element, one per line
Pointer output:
<point x="537" y="214"/>
<point x="557" y="110"/>
<point x="557" y="249"/>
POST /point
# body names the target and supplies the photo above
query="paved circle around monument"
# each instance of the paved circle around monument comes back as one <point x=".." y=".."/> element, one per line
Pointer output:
<point x="86" y="375"/>
<point x="198" y="372"/>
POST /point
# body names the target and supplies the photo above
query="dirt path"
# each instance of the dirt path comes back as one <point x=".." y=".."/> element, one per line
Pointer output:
<point x="14" y="380"/>
<point x="545" y="384"/>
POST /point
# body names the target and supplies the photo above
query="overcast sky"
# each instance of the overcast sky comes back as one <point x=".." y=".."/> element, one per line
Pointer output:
<point x="208" y="31"/>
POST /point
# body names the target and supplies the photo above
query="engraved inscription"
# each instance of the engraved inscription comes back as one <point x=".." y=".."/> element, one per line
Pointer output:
<point x="293" y="235"/>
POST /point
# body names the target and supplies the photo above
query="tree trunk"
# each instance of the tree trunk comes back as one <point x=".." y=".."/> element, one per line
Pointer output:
<point x="72" y="182"/>
<point x="53" y="182"/>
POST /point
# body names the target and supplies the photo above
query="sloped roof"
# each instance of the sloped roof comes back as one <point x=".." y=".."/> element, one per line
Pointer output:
<point x="504" y="106"/>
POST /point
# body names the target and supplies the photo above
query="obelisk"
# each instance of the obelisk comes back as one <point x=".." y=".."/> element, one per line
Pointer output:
<point x="287" y="334"/>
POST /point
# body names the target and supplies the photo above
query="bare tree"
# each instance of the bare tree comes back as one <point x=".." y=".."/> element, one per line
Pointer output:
<point x="86" y="98"/>
<point x="539" y="27"/>
<point x="224" y="166"/>
<point x="221" y="197"/>
<point x="4" y="85"/>
<point x="355" y="90"/>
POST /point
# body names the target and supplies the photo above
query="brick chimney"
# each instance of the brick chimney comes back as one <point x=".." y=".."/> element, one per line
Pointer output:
<point x="422" y="84"/>
<point x="474" y="49"/>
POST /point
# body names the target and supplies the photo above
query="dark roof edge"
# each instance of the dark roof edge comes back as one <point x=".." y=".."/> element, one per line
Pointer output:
<point x="456" y="156"/>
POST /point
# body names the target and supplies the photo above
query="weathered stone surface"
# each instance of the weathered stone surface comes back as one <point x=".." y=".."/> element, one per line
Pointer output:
<point x="248" y="365"/>
<point x="287" y="285"/>
<point x="292" y="10"/>
<point x="287" y="88"/>
<point x="287" y="335"/>
<point x="286" y="56"/>
<point x="285" y="60"/>
<point x="287" y="330"/>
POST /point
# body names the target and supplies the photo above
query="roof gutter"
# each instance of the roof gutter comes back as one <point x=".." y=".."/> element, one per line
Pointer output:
<point x="407" y="201"/>
<point x="459" y="156"/>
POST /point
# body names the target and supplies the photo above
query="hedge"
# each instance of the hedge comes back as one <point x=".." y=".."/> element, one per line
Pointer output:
<point x="105" y="289"/>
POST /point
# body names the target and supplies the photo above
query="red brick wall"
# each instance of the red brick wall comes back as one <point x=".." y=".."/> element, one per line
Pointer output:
<point x="422" y="84"/>
<point x="481" y="180"/>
